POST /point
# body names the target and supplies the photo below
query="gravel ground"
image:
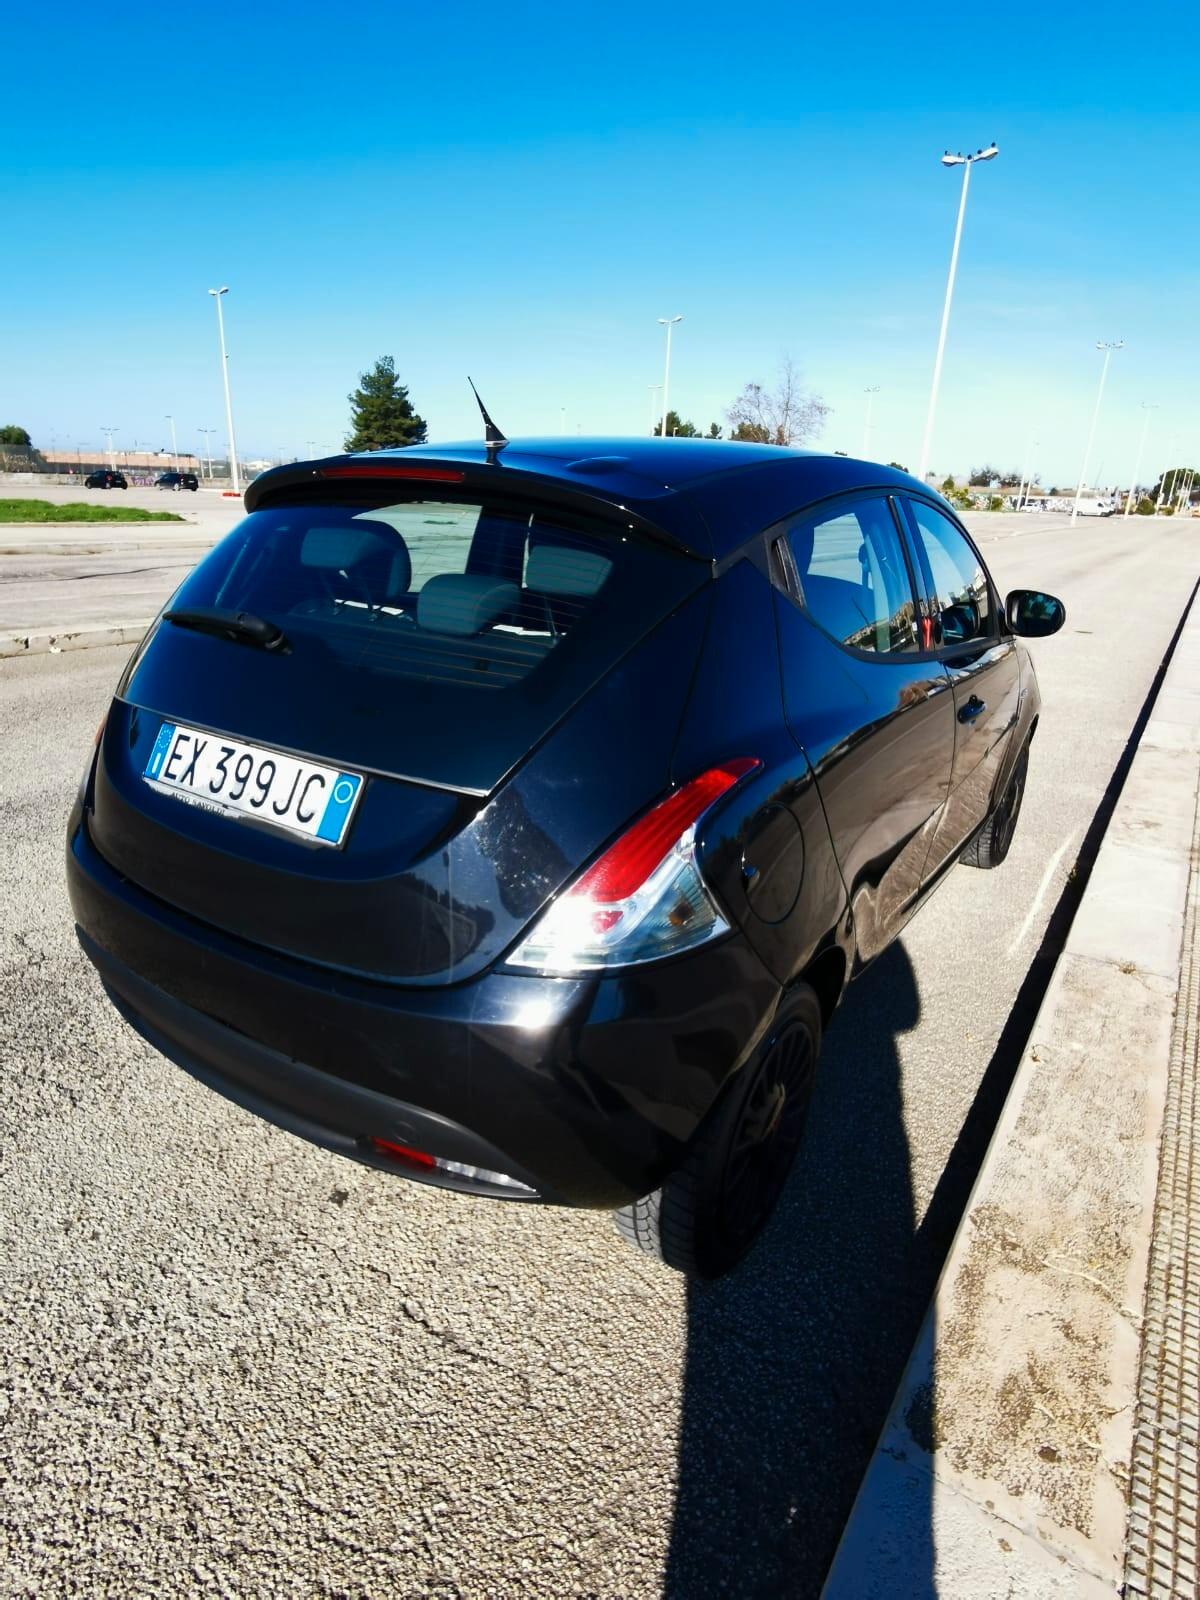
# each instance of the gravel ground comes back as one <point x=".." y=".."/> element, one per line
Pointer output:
<point x="236" y="1364"/>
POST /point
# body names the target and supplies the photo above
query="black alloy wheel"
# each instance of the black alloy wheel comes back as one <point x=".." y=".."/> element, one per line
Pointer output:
<point x="761" y="1147"/>
<point x="707" y="1214"/>
<point x="992" y="843"/>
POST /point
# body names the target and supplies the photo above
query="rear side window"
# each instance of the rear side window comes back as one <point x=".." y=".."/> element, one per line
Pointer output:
<point x="853" y="576"/>
<point x="432" y="638"/>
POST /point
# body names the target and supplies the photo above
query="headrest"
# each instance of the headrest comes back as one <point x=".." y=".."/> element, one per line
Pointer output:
<point x="464" y="602"/>
<point x="554" y="569"/>
<point x="336" y="548"/>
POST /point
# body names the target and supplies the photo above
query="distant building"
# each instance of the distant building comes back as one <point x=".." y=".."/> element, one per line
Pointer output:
<point x="78" y="463"/>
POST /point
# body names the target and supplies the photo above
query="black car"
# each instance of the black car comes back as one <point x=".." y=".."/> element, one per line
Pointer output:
<point x="513" y="819"/>
<point x="177" y="480"/>
<point x="105" y="480"/>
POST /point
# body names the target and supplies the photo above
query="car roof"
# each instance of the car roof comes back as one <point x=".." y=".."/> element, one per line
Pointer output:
<point x="708" y="495"/>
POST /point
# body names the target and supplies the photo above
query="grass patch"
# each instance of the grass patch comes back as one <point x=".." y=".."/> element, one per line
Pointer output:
<point x="79" y="511"/>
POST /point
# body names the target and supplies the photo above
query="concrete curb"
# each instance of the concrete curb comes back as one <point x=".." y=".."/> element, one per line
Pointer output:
<point x="32" y="644"/>
<point x="1003" y="1467"/>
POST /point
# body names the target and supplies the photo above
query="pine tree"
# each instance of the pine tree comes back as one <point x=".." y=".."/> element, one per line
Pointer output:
<point x="381" y="415"/>
<point x="677" y="428"/>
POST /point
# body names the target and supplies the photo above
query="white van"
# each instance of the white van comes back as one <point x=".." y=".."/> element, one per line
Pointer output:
<point x="1095" y="506"/>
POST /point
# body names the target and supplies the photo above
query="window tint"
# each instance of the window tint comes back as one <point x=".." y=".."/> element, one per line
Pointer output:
<point x="854" y="578"/>
<point x="439" y="639"/>
<point x="954" y="575"/>
<point x="432" y="590"/>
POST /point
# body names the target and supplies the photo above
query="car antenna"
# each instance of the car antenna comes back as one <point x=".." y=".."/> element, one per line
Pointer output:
<point x="492" y="436"/>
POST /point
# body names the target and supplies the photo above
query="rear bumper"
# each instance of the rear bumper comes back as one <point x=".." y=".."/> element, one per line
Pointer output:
<point x="583" y="1090"/>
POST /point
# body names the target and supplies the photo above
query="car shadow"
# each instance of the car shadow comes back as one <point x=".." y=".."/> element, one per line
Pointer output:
<point x="793" y="1360"/>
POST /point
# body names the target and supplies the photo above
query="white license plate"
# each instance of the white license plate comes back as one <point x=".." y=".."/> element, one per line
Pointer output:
<point x="243" y="780"/>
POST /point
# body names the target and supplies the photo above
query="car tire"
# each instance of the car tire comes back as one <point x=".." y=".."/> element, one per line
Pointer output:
<point x="992" y="843"/>
<point x="711" y="1209"/>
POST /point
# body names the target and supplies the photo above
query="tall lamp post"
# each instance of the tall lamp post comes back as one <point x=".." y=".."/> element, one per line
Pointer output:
<point x="1108" y="349"/>
<point x="1027" y="471"/>
<point x="653" y="388"/>
<point x="207" y="447"/>
<point x="233" y="462"/>
<point x="1137" y="466"/>
<point x="966" y="163"/>
<point x="668" y="323"/>
<point x="174" y="445"/>
<point x="112" y="455"/>
<point x="1162" y="482"/>
<point x="870" y="394"/>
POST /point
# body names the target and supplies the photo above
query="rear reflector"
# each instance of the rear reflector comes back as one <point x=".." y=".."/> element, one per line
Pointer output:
<point x="422" y="1161"/>
<point x="405" y="1152"/>
<point x="389" y="469"/>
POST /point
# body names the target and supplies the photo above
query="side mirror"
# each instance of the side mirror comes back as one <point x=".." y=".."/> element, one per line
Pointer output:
<point x="960" y="622"/>
<point x="1034" y="614"/>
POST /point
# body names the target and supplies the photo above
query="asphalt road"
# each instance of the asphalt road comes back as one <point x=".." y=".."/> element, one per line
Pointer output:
<point x="60" y="576"/>
<point x="199" y="505"/>
<point x="231" y="1363"/>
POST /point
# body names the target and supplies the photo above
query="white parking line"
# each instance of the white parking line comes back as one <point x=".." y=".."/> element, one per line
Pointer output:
<point x="1031" y="914"/>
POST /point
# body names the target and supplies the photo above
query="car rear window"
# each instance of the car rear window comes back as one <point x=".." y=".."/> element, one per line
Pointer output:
<point x="431" y="638"/>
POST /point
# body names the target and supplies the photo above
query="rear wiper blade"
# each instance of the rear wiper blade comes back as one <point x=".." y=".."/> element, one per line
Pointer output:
<point x="239" y="627"/>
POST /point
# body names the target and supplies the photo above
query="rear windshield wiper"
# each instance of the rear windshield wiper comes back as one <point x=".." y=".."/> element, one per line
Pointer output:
<point x="239" y="627"/>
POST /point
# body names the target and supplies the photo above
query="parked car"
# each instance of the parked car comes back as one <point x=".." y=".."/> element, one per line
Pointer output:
<point x="177" y="480"/>
<point x="1095" y="506"/>
<point x="513" y="820"/>
<point x="105" y="480"/>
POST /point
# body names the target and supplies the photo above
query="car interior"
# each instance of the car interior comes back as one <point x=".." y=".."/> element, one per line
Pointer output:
<point x="486" y="608"/>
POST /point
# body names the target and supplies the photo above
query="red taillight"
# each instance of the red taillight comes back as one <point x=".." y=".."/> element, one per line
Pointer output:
<point x="626" y="865"/>
<point x="405" y="1153"/>
<point x="390" y="469"/>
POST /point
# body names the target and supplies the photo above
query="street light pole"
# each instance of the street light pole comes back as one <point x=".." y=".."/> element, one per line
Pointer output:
<point x="174" y="446"/>
<point x="233" y="463"/>
<point x="966" y="163"/>
<point x="1031" y="445"/>
<point x="668" y="323"/>
<point x="112" y="455"/>
<point x="207" y="447"/>
<point x="653" y="388"/>
<point x="870" y="394"/>
<point x="1137" y="466"/>
<point x="1087" y="455"/>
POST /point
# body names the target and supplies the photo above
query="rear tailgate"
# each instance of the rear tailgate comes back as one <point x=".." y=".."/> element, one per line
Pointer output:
<point x="430" y="646"/>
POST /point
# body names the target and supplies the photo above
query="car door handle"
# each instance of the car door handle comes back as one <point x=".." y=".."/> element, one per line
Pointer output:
<point x="973" y="708"/>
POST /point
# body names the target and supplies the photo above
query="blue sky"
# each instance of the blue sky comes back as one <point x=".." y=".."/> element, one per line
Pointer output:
<point x="518" y="192"/>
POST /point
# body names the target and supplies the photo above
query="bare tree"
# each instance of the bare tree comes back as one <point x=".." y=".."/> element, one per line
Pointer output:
<point x="787" y="414"/>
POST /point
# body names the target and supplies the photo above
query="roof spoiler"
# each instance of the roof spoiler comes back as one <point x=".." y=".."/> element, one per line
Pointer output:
<point x="469" y="477"/>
